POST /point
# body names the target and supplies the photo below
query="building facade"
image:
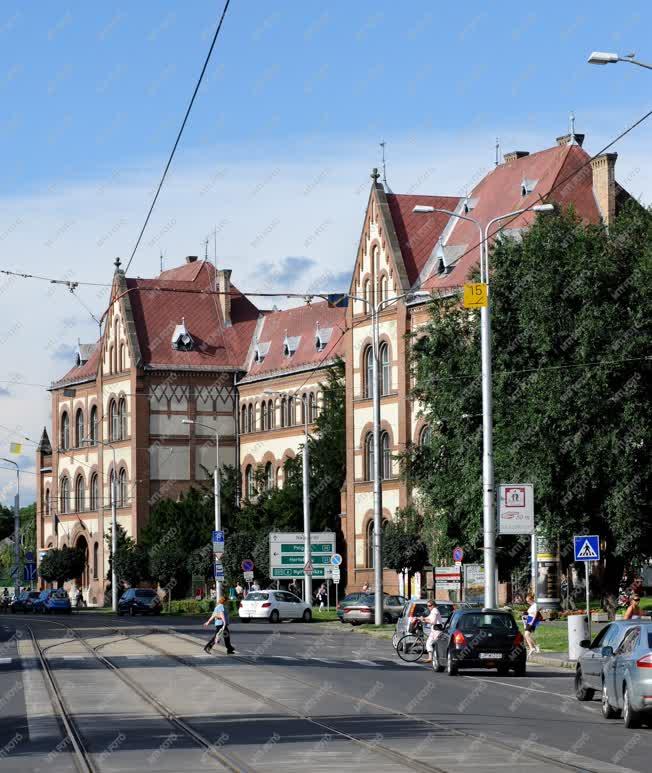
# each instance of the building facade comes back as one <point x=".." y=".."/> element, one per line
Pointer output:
<point x="188" y="346"/>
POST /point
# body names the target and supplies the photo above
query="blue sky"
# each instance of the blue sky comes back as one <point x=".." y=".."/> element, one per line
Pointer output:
<point x="277" y="153"/>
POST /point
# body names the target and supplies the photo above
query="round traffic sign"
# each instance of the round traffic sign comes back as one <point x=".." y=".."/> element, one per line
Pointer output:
<point x="247" y="565"/>
<point x="458" y="554"/>
<point x="336" y="559"/>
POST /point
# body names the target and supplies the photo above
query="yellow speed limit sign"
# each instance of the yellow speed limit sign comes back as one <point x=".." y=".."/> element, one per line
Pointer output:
<point x="475" y="295"/>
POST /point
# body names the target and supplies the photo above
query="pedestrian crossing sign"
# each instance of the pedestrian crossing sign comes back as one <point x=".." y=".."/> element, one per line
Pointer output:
<point x="587" y="547"/>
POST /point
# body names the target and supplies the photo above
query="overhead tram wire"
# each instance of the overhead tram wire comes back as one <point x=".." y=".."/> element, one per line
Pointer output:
<point x="176" y="143"/>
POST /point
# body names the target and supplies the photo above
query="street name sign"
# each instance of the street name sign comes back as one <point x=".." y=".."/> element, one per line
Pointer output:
<point x="587" y="547"/>
<point x="515" y="508"/>
<point x="286" y="554"/>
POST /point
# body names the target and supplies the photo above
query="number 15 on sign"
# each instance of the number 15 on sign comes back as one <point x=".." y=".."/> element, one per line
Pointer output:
<point x="475" y="295"/>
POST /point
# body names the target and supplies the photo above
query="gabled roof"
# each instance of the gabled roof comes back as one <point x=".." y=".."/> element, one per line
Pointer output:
<point x="300" y="326"/>
<point x="418" y="235"/>
<point x="86" y="371"/>
<point x="500" y="192"/>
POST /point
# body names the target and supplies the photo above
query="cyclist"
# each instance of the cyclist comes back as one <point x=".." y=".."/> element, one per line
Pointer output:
<point x="433" y="618"/>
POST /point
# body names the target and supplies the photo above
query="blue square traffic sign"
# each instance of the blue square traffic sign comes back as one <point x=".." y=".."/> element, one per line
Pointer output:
<point x="587" y="547"/>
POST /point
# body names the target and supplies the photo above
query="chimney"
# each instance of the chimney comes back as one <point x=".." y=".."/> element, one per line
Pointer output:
<point x="566" y="138"/>
<point x="515" y="155"/>
<point x="223" y="287"/>
<point x="604" y="185"/>
<point x="191" y="258"/>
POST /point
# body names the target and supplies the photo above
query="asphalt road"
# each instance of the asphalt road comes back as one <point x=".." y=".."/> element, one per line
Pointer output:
<point x="310" y="697"/>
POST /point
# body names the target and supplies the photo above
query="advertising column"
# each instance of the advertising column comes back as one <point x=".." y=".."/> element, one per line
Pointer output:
<point x="548" y="582"/>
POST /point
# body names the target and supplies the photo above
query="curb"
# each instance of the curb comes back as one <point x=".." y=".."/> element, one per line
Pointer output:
<point x="542" y="660"/>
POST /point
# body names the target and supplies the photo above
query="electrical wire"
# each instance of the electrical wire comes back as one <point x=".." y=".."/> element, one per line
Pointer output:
<point x="183" y="126"/>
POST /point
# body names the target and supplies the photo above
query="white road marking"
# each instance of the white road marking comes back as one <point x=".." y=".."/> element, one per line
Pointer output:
<point x="323" y="660"/>
<point x="284" y="657"/>
<point x="566" y="696"/>
<point x="71" y="657"/>
<point x="367" y="663"/>
<point x="6" y="660"/>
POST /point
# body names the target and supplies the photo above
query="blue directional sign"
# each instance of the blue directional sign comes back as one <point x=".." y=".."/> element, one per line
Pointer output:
<point x="29" y="572"/>
<point x="218" y="541"/>
<point x="219" y="571"/>
<point x="587" y="547"/>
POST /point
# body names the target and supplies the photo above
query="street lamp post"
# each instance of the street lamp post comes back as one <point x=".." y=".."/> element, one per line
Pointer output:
<point x="488" y="493"/>
<point x="604" y="57"/>
<point x="216" y="489"/>
<point x="16" y="526"/>
<point x="307" y="557"/>
<point x="114" y="522"/>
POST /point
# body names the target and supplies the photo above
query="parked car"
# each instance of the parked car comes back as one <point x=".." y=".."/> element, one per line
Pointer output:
<point x="53" y="600"/>
<point x="144" y="601"/>
<point x="415" y="609"/>
<point x="627" y="676"/>
<point x="480" y="638"/>
<point x="363" y="610"/>
<point x="588" y="671"/>
<point x="349" y="600"/>
<point x="274" y="605"/>
<point x="25" y="601"/>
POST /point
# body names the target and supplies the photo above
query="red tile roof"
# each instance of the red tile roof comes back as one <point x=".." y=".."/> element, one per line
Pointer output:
<point x="500" y="192"/>
<point x="85" y="372"/>
<point x="417" y="235"/>
<point x="300" y="322"/>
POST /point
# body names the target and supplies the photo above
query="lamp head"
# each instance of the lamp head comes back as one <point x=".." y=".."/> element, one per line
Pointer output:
<point x="422" y="208"/>
<point x="187" y="421"/>
<point x="543" y="208"/>
<point x="603" y="57"/>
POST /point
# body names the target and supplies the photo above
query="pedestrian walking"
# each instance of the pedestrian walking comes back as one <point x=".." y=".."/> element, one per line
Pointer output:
<point x="239" y="590"/>
<point x="220" y="618"/>
<point x="634" y="611"/>
<point x="433" y="618"/>
<point x="293" y="588"/>
<point x="531" y="622"/>
<point x="322" y="596"/>
<point x="255" y="585"/>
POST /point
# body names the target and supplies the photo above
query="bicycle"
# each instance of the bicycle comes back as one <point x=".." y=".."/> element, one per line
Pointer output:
<point x="411" y="646"/>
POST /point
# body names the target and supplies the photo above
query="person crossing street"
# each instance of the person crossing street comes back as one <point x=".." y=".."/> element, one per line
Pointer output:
<point x="220" y="618"/>
<point x="433" y="618"/>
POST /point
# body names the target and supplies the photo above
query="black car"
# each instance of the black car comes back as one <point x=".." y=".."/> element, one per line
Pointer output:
<point x="480" y="638"/>
<point x="25" y="601"/>
<point x="144" y="601"/>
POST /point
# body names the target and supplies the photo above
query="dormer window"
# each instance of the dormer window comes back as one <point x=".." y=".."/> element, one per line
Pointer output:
<point x="470" y="205"/>
<point x="290" y="344"/>
<point x="527" y="186"/>
<point x="322" y="337"/>
<point x="260" y="351"/>
<point x="181" y="339"/>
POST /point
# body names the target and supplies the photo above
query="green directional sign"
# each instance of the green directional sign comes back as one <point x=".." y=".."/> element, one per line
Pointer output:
<point x="320" y="547"/>
<point x="287" y="572"/>
<point x="298" y="559"/>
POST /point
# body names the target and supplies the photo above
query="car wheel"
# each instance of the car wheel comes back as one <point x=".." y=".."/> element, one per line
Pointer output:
<point x="582" y="693"/>
<point x="608" y="711"/>
<point x="451" y="665"/>
<point x="132" y="612"/>
<point x="631" y="718"/>
<point x="502" y="671"/>
<point x="274" y="616"/>
<point x="435" y="664"/>
<point x="307" y="616"/>
<point x="520" y="669"/>
<point x="387" y="618"/>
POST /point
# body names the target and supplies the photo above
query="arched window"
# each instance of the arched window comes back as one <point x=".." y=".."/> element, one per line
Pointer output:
<point x="269" y="475"/>
<point x="304" y="406"/>
<point x="243" y="420"/>
<point x="284" y="412"/>
<point x="271" y="418"/>
<point x="122" y="488"/>
<point x="93" y="425"/>
<point x="368" y="372"/>
<point x="366" y="293"/>
<point x="251" y="419"/>
<point x="383" y="288"/>
<point x="96" y="550"/>
<point x="122" y="418"/>
<point x="65" y="431"/>
<point x="386" y="471"/>
<point x="79" y="494"/>
<point x="111" y="484"/>
<point x="291" y="414"/>
<point x="47" y="504"/>
<point x="425" y="436"/>
<point x="110" y="359"/>
<point x="94" y="492"/>
<point x="385" y="370"/>
<point x="369" y="545"/>
<point x="114" y="424"/>
<point x="369" y="456"/>
<point x="312" y="408"/>
<point x="122" y="357"/>
<point x="79" y="428"/>
<point x="263" y="415"/>
<point x="249" y="482"/>
<point x="64" y="496"/>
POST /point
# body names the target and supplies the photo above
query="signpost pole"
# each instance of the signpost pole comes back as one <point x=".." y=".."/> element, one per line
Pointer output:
<point x="307" y="581"/>
<point x="218" y="511"/>
<point x="588" y="596"/>
<point x="533" y="560"/>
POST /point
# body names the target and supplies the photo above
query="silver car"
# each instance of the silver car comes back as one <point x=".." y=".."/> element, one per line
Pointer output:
<point x="363" y="610"/>
<point x="588" y="672"/>
<point x="627" y="676"/>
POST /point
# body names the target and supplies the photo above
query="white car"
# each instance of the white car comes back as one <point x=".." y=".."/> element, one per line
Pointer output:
<point x="274" y="605"/>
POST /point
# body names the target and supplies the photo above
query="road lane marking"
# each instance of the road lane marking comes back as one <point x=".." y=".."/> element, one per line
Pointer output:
<point x="70" y="657"/>
<point x="6" y="660"/>
<point x="323" y="660"/>
<point x="567" y="696"/>
<point x="367" y="663"/>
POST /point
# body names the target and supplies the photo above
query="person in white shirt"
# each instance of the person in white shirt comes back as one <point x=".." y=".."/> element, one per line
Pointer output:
<point x="433" y="618"/>
<point x="531" y="622"/>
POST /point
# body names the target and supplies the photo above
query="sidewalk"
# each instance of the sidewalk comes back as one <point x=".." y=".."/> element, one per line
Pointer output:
<point x="556" y="659"/>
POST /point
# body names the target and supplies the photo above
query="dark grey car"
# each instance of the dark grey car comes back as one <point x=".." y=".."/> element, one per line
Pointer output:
<point x="588" y="672"/>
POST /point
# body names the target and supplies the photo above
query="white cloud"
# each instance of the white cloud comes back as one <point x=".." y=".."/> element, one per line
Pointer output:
<point x="265" y="207"/>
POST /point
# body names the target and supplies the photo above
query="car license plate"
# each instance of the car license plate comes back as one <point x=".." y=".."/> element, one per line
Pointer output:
<point x="490" y="656"/>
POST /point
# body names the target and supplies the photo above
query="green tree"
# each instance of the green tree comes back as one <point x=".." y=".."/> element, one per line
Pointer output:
<point x="571" y="387"/>
<point x="167" y="566"/>
<point x="239" y="546"/>
<point x="403" y="545"/>
<point x="60" y="565"/>
<point x="200" y="562"/>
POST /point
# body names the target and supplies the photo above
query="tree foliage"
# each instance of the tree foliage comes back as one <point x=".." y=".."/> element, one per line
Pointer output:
<point x="61" y="565"/>
<point x="571" y="386"/>
<point x="403" y="545"/>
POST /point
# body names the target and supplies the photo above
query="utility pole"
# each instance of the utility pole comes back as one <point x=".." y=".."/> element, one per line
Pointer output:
<point x="16" y="527"/>
<point x="307" y="578"/>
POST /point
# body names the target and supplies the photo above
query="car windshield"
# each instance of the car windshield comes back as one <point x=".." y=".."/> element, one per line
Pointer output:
<point x="496" y="622"/>
<point x="60" y="594"/>
<point x="146" y="594"/>
<point x="34" y="594"/>
<point x="649" y="639"/>
<point x="255" y="596"/>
